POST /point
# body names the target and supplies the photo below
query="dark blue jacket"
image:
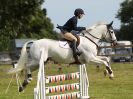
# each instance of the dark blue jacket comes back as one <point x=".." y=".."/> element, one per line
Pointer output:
<point x="71" y="24"/>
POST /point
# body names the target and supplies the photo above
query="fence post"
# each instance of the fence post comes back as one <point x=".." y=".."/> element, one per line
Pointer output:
<point x="84" y="82"/>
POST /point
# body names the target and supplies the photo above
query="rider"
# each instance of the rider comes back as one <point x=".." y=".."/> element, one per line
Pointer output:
<point x="70" y="25"/>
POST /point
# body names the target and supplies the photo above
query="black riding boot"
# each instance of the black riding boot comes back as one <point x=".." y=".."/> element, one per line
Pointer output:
<point x="76" y="53"/>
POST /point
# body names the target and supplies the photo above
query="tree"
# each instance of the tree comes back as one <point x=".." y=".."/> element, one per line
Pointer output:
<point x="125" y="15"/>
<point x="23" y="19"/>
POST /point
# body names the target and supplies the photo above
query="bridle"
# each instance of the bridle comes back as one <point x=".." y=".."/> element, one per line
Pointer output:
<point x="110" y="32"/>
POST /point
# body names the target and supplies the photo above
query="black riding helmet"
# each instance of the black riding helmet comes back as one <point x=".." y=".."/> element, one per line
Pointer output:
<point x="78" y="11"/>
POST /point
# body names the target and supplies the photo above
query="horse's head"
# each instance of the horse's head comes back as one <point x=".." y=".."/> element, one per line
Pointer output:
<point x="111" y="34"/>
<point x="102" y="31"/>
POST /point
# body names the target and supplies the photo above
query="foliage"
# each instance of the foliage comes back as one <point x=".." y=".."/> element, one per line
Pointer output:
<point x="23" y="19"/>
<point x="125" y="15"/>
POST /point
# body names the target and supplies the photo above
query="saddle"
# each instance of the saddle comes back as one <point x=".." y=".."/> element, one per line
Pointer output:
<point x="66" y="43"/>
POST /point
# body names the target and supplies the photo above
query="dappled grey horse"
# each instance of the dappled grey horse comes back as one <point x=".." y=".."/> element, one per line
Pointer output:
<point x="89" y="39"/>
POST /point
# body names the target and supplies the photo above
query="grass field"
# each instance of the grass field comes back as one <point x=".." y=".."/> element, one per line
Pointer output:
<point x="121" y="87"/>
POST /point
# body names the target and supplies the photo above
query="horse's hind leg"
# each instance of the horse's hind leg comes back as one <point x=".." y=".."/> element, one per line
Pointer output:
<point x="28" y="75"/>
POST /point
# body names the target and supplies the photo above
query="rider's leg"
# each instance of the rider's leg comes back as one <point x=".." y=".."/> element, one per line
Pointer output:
<point x="75" y="50"/>
<point x="72" y="38"/>
<point x="69" y="36"/>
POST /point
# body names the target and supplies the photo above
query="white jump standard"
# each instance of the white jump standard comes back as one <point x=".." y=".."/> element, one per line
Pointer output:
<point x="40" y="91"/>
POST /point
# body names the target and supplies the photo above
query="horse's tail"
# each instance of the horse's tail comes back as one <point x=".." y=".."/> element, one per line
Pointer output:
<point x="22" y="60"/>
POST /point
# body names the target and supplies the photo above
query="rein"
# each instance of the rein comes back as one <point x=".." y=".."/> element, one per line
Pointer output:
<point x="91" y="41"/>
<point x="92" y="35"/>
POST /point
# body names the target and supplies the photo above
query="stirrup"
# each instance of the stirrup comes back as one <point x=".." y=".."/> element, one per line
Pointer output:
<point x="78" y="53"/>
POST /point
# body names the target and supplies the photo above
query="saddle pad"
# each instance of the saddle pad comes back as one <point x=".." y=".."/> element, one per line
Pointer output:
<point x="64" y="44"/>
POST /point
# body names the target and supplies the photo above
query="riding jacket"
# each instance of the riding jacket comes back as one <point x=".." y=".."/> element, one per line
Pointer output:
<point x="71" y="24"/>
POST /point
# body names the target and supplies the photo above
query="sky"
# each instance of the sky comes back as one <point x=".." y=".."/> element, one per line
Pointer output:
<point x="59" y="11"/>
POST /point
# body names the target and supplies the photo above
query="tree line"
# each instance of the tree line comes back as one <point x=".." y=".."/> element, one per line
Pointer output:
<point x="125" y="15"/>
<point x="23" y="19"/>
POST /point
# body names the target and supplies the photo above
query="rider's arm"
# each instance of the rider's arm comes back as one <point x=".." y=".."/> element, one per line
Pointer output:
<point x="77" y="28"/>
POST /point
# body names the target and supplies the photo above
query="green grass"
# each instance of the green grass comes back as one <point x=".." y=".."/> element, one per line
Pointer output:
<point x="121" y="87"/>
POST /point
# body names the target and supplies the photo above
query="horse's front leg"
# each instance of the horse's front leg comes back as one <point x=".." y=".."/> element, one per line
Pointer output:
<point x="27" y="80"/>
<point x="108" y="66"/>
<point x="109" y="70"/>
<point x="93" y="58"/>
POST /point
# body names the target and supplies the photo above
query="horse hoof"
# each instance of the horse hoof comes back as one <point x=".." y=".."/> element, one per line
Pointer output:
<point x="105" y="72"/>
<point x="111" y="76"/>
<point x="21" y="89"/>
<point x="30" y="79"/>
<point x="98" y="68"/>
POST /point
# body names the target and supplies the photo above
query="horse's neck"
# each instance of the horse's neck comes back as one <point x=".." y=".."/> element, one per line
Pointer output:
<point x="94" y="37"/>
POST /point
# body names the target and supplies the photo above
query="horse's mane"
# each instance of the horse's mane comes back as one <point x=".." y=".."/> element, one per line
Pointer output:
<point x="95" y="25"/>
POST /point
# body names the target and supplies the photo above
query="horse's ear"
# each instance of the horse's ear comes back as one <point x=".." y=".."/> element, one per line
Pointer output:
<point x="110" y="24"/>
